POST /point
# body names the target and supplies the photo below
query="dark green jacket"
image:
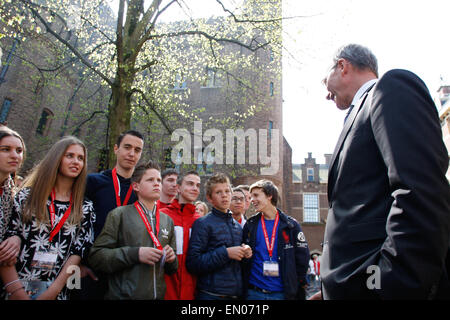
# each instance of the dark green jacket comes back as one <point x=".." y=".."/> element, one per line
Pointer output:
<point x="116" y="252"/>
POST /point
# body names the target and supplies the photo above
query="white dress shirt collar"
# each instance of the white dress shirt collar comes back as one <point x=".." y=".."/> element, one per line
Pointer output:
<point x="362" y="90"/>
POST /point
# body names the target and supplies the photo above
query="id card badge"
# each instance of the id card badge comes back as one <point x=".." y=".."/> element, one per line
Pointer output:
<point x="44" y="260"/>
<point x="271" y="269"/>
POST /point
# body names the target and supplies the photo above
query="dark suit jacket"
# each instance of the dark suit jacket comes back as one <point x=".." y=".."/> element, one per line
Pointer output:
<point x="389" y="198"/>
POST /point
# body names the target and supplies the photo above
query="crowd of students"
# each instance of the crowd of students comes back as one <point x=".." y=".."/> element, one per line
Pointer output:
<point x="135" y="232"/>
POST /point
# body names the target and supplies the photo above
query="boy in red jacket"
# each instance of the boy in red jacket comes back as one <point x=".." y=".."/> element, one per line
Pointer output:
<point x="181" y="285"/>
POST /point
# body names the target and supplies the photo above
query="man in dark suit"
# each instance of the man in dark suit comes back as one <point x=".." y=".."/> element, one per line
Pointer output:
<point x="388" y="226"/>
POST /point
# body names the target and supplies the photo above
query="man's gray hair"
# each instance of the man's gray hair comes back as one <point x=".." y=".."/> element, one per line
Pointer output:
<point x="359" y="56"/>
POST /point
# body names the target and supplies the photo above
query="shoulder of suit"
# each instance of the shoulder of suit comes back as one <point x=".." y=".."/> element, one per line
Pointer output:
<point x="399" y="74"/>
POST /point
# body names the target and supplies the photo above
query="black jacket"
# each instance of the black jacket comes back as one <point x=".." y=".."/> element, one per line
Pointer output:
<point x="207" y="256"/>
<point x="293" y="254"/>
<point x="388" y="226"/>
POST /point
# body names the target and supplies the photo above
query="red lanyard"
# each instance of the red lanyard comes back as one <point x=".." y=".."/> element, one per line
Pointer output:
<point x="266" y="237"/>
<point x="148" y="225"/>
<point x="58" y="227"/>
<point x="117" y="189"/>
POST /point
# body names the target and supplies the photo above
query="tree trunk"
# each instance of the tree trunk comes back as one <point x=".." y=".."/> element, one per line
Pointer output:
<point x="119" y="117"/>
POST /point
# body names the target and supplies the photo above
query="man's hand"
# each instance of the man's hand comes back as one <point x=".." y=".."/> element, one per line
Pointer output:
<point x="170" y="254"/>
<point x="149" y="255"/>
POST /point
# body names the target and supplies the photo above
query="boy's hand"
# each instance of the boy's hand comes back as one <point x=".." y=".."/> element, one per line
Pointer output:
<point x="247" y="251"/>
<point x="236" y="253"/>
<point x="170" y="254"/>
<point x="149" y="255"/>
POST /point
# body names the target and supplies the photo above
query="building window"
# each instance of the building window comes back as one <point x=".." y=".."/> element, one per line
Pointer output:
<point x="44" y="122"/>
<point x="179" y="160"/>
<point x="210" y="157"/>
<point x="212" y="79"/>
<point x="270" y="129"/>
<point x="200" y="168"/>
<point x="271" y="55"/>
<point x="179" y="83"/>
<point x="5" y="110"/>
<point x="271" y="89"/>
<point x="310" y="174"/>
<point x="168" y="159"/>
<point x="311" y="208"/>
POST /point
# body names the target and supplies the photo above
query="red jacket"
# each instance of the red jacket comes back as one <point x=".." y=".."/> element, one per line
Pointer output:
<point x="181" y="285"/>
<point x="162" y="205"/>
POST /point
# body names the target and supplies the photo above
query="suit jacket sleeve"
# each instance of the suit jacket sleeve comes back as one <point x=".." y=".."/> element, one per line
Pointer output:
<point x="406" y="129"/>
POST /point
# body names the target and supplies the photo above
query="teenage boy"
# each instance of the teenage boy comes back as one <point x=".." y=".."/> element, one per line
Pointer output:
<point x="215" y="249"/>
<point x="136" y="244"/>
<point x="181" y="285"/>
<point x="107" y="190"/>
<point x="249" y="209"/>
<point x="237" y="206"/>
<point x="169" y="188"/>
<point x="277" y="270"/>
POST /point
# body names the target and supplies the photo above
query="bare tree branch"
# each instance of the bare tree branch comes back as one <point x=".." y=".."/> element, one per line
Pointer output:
<point x="152" y="107"/>
<point x="210" y="37"/>
<point x="236" y="19"/>
<point x="70" y="47"/>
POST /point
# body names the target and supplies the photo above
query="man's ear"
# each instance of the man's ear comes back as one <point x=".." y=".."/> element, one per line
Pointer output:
<point x="116" y="148"/>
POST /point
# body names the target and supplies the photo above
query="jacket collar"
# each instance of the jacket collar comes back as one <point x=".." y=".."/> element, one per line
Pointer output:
<point x="221" y="214"/>
<point x="188" y="208"/>
<point x="284" y="219"/>
<point x="347" y="127"/>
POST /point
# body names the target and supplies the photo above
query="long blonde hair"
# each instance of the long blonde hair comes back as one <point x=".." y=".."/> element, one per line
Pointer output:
<point x="43" y="178"/>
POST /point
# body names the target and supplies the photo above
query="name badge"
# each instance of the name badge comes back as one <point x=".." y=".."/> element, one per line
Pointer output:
<point x="271" y="269"/>
<point x="44" y="260"/>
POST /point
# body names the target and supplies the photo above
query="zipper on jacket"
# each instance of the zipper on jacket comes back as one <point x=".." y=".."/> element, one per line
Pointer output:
<point x="230" y="228"/>
<point x="154" y="266"/>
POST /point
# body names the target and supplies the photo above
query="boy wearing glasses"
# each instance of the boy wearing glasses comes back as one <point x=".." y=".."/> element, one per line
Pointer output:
<point x="237" y="206"/>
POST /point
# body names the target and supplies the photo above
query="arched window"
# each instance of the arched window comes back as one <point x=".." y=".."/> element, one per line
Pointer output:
<point x="44" y="122"/>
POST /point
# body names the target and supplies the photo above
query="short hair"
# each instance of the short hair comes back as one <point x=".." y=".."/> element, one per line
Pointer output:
<point x="237" y="189"/>
<point x="182" y="175"/>
<point x="215" y="179"/>
<point x="359" y="56"/>
<point x="168" y="172"/>
<point x="131" y="133"/>
<point x="244" y="187"/>
<point x="139" y="171"/>
<point x="269" y="189"/>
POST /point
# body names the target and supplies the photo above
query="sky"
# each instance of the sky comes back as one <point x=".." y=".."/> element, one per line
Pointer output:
<point x="410" y="35"/>
<point x="406" y="34"/>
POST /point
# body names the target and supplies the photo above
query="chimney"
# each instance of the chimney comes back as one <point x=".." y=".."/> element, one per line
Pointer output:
<point x="328" y="159"/>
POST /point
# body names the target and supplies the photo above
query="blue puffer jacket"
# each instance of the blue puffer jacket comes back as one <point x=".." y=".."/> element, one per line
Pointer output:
<point x="207" y="256"/>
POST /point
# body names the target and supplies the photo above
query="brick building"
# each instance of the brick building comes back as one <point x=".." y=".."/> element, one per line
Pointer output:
<point x="43" y="108"/>
<point x="308" y="198"/>
<point x="45" y="98"/>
